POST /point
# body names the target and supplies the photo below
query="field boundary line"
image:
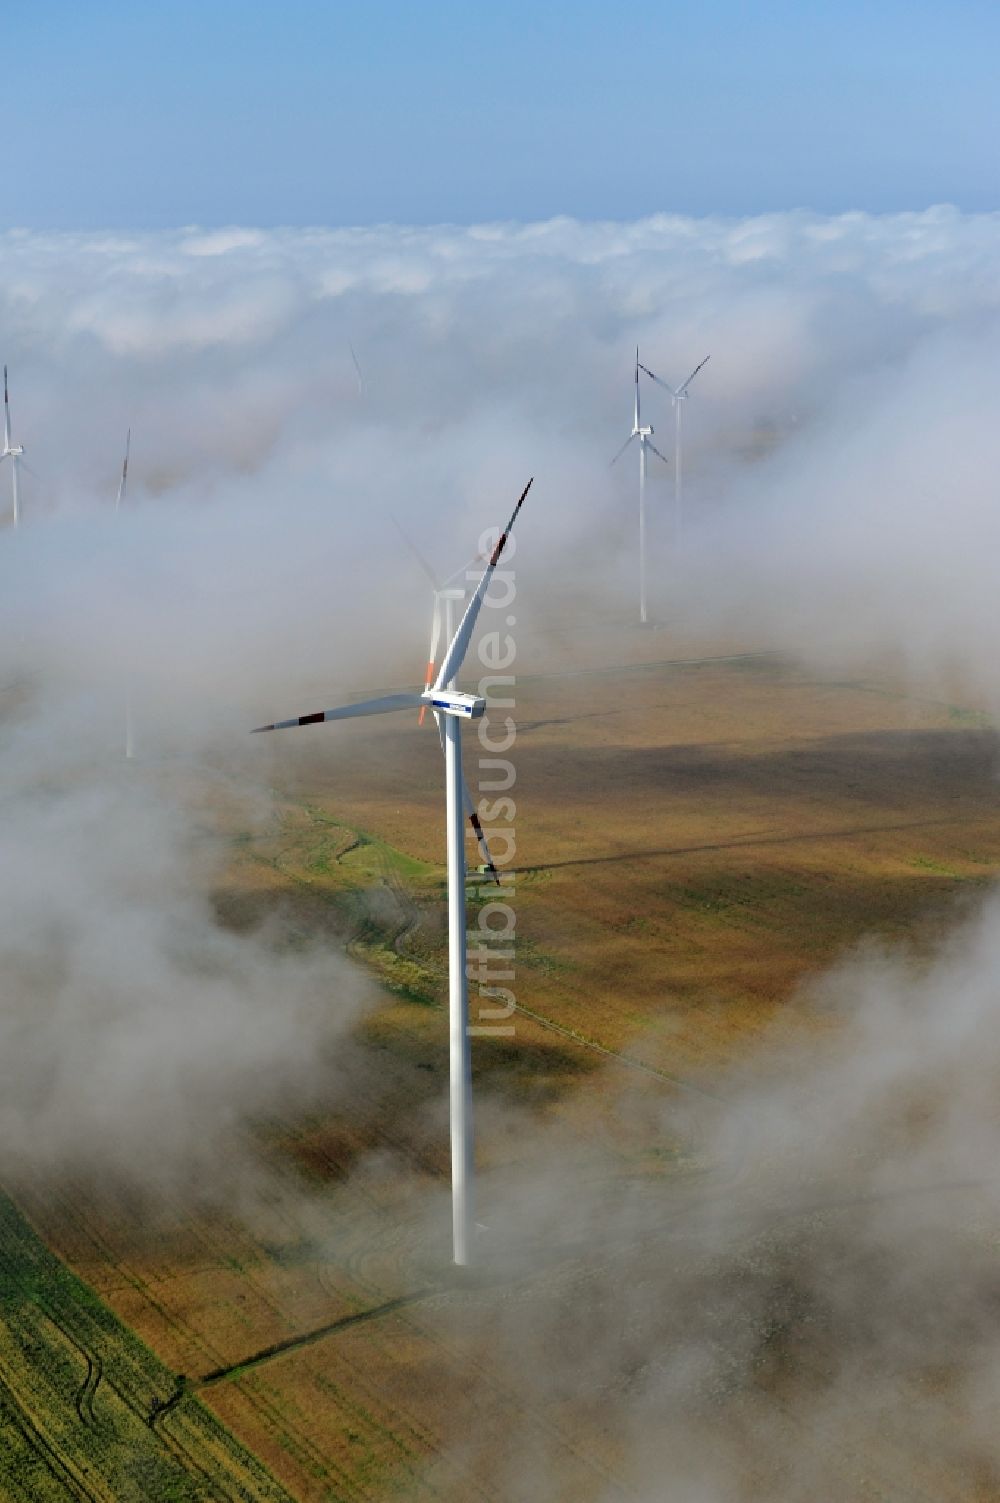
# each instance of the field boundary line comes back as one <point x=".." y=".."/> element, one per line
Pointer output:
<point x="616" y="1054"/>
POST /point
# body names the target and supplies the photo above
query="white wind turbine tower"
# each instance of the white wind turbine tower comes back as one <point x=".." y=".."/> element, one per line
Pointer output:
<point x="13" y="452"/>
<point x="644" y="435"/>
<point x="122" y="487"/>
<point x="453" y="707"/>
<point x="678" y="396"/>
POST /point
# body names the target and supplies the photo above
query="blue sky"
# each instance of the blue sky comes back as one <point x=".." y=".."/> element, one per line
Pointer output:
<point x="304" y="112"/>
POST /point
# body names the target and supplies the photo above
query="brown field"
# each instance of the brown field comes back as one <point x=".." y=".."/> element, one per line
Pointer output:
<point x="698" y="831"/>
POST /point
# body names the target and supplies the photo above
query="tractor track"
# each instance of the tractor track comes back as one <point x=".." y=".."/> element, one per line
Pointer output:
<point x="87" y="1392"/>
<point x="147" y="1413"/>
<point x="61" y="1470"/>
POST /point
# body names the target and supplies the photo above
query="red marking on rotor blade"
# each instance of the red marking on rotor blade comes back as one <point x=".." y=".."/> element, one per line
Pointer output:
<point x="312" y="719"/>
<point x="427" y="684"/>
<point x="495" y="555"/>
<point x="258" y="728"/>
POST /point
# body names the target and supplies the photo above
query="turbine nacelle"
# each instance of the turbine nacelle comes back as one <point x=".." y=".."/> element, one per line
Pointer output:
<point x="454" y="702"/>
<point x="14" y="451"/>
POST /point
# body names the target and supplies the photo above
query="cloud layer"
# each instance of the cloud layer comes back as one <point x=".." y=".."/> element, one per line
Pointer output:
<point x="841" y="453"/>
<point x="841" y="448"/>
<point x="852" y="362"/>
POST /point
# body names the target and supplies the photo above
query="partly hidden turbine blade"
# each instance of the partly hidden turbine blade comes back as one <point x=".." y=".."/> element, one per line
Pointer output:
<point x="455" y="655"/>
<point x="684" y="386"/>
<point x="658" y="379"/>
<point x="621" y="451"/>
<point x="432" y="653"/>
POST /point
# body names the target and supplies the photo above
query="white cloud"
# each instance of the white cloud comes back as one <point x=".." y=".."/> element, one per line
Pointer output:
<point x="256" y="559"/>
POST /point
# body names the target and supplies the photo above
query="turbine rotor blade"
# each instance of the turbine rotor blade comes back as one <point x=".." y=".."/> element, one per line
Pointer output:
<point x="466" y="569"/>
<point x="459" y="646"/>
<point x="682" y="389"/>
<point x="432" y="654"/>
<point x="123" y="482"/>
<point x="472" y="815"/>
<point x="357" y="367"/>
<point x="621" y="451"/>
<point x="383" y="706"/>
<point x="654" y="377"/>
<point x="435" y="639"/>
<point x="657" y="452"/>
<point x="479" y="832"/>
<point x="425" y="566"/>
<point x="6" y="412"/>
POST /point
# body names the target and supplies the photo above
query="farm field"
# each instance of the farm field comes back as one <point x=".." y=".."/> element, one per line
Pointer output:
<point x="82" y="1399"/>
<point x="700" y="828"/>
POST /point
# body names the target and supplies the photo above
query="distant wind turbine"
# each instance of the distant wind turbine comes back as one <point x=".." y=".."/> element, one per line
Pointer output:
<point x="123" y="482"/>
<point x="13" y="452"/>
<point x="644" y="435"/>
<point x="122" y="487"/>
<point x="678" y="397"/>
<point x="357" y="369"/>
<point x="453" y="707"/>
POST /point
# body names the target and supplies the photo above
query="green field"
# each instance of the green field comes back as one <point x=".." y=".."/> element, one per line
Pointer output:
<point x="86" y="1409"/>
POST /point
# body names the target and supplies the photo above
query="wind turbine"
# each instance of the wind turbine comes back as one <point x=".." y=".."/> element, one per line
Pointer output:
<point x="678" y="396"/>
<point x="122" y="487"/>
<point x="644" y="435"/>
<point x="13" y="452"/>
<point x="453" y="707"/>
